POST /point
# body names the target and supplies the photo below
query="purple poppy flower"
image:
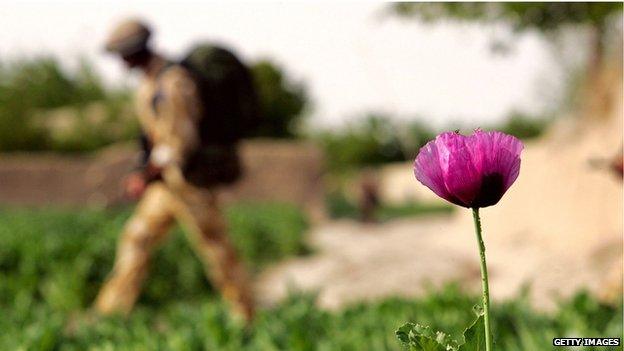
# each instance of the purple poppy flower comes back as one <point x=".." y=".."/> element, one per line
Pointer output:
<point x="471" y="171"/>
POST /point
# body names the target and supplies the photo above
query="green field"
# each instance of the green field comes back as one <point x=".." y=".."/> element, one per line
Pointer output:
<point x="52" y="263"/>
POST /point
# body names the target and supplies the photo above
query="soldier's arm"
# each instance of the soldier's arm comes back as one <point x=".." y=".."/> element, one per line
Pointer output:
<point x="146" y="150"/>
<point x="144" y="167"/>
<point x="181" y="111"/>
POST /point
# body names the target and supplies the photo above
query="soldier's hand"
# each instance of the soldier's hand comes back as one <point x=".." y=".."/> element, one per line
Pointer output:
<point x="134" y="185"/>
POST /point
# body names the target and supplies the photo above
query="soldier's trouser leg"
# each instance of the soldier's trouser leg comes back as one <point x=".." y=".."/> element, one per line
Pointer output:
<point x="199" y="214"/>
<point x="143" y="232"/>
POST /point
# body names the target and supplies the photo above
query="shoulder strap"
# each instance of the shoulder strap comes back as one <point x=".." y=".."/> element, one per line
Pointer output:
<point x="158" y="94"/>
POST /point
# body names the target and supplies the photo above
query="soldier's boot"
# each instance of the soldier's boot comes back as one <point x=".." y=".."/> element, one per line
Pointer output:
<point x="208" y="234"/>
<point x="143" y="232"/>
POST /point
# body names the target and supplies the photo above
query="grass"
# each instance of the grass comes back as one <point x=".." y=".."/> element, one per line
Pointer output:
<point x="52" y="262"/>
<point x="297" y="324"/>
<point x="339" y="206"/>
<point x="60" y="257"/>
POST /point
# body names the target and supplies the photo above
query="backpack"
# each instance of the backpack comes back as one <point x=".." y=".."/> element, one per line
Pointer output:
<point x="226" y="87"/>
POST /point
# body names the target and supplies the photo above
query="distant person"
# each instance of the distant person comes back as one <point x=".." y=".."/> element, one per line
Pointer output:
<point x="369" y="197"/>
<point x="192" y="113"/>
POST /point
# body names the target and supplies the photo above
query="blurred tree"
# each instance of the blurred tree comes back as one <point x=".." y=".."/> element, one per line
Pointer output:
<point x="33" y="90"/>
<point x="282" y="102"/>
<point x="602" y="20"/>
<point x="546" y="17"/>
<point x="522" y="126"/>
<point x="27" y="86"/>
<point x="373" y="140"/>
<point x="30" y="88"/>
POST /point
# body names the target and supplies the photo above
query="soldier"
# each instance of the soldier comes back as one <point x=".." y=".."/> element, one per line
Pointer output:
<point x="177" y="182"/>
<point x="369" y="197"/>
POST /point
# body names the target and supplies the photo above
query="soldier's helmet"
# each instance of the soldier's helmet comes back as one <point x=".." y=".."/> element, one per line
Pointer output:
<point x="128" y="37"/>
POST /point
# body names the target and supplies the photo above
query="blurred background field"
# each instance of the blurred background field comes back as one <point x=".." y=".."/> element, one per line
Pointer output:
<point x="344" y="244"/>
<point x="49" y="281"/>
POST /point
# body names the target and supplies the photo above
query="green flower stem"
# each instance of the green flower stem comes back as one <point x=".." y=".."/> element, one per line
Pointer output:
<point x="484" y="280"/>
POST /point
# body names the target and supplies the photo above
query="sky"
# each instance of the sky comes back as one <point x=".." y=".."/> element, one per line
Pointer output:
<point x="352" y="57"/>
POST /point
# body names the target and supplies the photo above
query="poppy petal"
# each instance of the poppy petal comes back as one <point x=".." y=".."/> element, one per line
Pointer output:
<point x="427" y="170"/>
<point x="470" y="171"/>
<point x="461" y="177"/>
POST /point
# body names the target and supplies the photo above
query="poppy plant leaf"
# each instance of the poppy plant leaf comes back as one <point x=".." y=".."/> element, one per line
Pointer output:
<point x="416" y="337"/>
<point x="474" y="335"/>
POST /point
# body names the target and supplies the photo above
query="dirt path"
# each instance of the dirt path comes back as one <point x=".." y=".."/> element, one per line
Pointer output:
<point x="359" y="262"/>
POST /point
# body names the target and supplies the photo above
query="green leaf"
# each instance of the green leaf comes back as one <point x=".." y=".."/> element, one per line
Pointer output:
<point x="417" y="337"/>
<point x="474" y="335"/>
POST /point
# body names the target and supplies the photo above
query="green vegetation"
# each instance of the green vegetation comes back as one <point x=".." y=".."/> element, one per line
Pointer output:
<point x="388" y="212"/>
<point x="371" y="141"/>
<point x="53" y="262"/>
<point x="523" y="126"/>
<point x="339" y="206"/>
<point x="46" y="107"/>
<point x="282" y="101"/>
<point x="43" y="107"/>
<point x="60" y="257"/>
<point x="377" y="139"/>
<point x="543" y="16"/>
<point x="515" y="326"/>
<point x="265" y="233"/>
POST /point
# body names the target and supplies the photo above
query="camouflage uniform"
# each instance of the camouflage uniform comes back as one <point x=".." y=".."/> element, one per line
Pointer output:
<point x="168" y="107"/>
